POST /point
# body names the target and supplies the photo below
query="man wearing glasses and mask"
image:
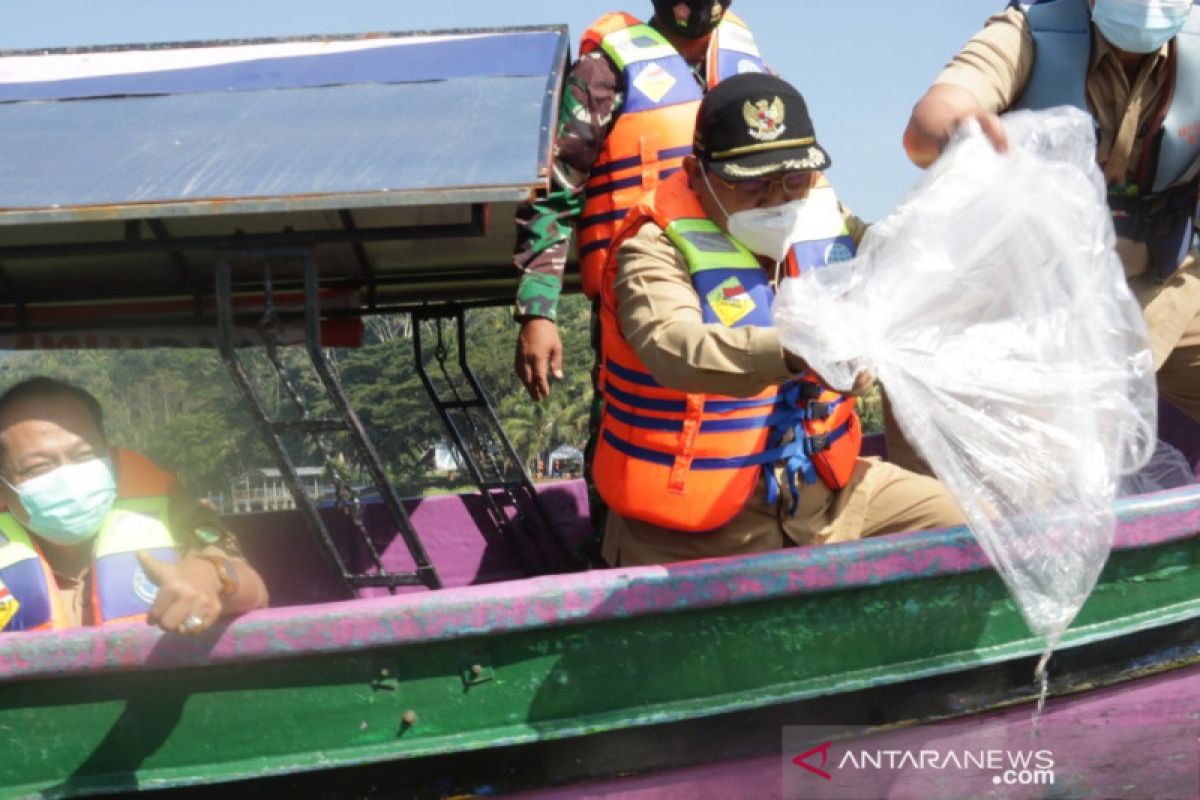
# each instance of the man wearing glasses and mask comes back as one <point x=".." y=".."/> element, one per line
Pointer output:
<point x="715" y="440"/>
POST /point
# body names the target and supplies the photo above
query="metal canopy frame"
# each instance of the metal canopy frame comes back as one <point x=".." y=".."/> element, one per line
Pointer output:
<point x="344" y="421"/>
<point x="468" y="415"/>
<point x="196" y="284"/>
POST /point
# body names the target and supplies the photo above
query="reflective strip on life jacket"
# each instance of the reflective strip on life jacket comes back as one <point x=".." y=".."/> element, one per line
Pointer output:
<point x="28" y="578"/>
<point x="121" y="592"/>
<point x="653" y="131"/>
<point x="824" y="237"/>
<point x="732" y="51"/>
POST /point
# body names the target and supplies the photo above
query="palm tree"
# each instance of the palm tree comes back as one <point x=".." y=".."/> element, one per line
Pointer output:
<point x="561" y="418"/>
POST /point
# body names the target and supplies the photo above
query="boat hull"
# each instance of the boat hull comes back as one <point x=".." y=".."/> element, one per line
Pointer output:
<point x="569" y="658"/>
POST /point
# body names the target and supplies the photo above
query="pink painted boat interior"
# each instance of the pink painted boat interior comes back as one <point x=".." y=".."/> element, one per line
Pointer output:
<point x="462" y="540"/>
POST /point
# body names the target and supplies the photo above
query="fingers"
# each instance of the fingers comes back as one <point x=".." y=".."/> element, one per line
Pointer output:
<point x="539" y="353"/>
<point x="531" y="372"/>
<point x="541" y="381"/>
<point x="556" y="361"/>
<point x="181" y="615"/>
<point x="524" y="370"/>
<point x="994" y="130"/>
<point x="187" y="600"/>
<point x="157" y="571"/>
<point x="938" y="114"/>
<point x="863" y="382"/>
<point x="177" y="607"/>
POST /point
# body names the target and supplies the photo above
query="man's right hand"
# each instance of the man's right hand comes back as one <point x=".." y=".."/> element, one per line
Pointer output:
<point x="539" y="356"/>
<point x="936" y="117"/>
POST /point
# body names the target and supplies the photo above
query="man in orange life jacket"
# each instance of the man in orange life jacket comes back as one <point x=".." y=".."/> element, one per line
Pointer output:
<point x="1134" y="65"/>
<point x="625" y="122"/>
<point x="714" y="440"/>
<point x="92" y="535"/>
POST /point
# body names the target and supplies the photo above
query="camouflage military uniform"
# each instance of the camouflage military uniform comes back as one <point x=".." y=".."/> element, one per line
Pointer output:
<point x="591" y="103"/>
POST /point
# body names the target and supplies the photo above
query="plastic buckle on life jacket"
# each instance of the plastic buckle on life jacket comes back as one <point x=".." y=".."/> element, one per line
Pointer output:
<point x="1162" y="221"/>
<point x="797" y="458"/>
<point x="818" y="410"/>
<point x="809" y="390"/>
<point x="815" y="443"/>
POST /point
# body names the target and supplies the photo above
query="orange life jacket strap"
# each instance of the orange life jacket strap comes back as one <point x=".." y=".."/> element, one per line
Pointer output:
<point x="138" y="476"/>
<point x="692" y="419"/>
<point x="609" y="23"/>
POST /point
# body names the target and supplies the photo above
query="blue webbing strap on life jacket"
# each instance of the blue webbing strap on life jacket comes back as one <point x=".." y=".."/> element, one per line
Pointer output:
<point x="794" y="404"/>
<point x="797" y="454"/>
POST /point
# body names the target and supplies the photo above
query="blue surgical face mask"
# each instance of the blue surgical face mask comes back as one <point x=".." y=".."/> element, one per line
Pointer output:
<point x="67" y="505"/>
<point x="1140" y="26"/>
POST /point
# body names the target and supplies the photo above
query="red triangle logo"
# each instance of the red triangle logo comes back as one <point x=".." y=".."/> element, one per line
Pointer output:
<point x="801" y="760"/>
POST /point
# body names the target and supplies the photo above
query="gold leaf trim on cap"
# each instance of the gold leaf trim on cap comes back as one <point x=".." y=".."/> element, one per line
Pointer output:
<point x="761" y="146"/>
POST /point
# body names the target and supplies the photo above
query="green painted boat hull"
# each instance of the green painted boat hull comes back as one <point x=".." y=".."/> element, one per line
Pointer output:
<point x="171" y="724"/>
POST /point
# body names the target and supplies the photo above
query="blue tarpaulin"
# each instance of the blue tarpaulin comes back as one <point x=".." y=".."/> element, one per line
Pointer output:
<point x="275" y="126"/>
<point x="396" y="160"/>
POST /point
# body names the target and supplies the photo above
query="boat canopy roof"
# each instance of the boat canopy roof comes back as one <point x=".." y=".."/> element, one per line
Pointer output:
<point x="396" y="158"/>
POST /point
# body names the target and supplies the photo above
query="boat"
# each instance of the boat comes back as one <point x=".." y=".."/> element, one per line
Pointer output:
<point x="451" y="645"/>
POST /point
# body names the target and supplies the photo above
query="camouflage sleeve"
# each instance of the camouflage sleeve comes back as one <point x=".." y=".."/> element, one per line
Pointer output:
<point x="591" y="100"/>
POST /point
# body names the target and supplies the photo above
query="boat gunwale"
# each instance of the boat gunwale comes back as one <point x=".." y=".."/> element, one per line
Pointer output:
<point x="556" y="600"/>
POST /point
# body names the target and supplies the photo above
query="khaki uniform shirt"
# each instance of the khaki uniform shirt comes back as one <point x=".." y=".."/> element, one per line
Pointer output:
<point x="661" y="318"/>
<point x="995" y="67"/>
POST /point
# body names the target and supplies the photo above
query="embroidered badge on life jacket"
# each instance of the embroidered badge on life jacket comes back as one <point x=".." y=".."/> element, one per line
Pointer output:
<point x="143" y="587"/>
<point x="730" y="301"/>
<point x="8" y="606"/>
<point x="654" y="82"/>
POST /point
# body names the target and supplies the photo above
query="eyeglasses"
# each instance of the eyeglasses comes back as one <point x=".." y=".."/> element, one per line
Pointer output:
<point x="793" y="183"/>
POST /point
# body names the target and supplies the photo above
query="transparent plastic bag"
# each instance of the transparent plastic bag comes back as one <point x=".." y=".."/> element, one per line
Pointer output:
<point x="994" y="311"/>
<point x="1167" y="468"/>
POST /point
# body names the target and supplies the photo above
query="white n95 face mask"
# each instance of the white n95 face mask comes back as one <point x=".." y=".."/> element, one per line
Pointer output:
<point x="769" y="232"/>
<point x="1140" y="26"/>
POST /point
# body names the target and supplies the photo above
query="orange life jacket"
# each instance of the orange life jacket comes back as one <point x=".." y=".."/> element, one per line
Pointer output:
<point x="138" y="476"/>
<point x="653" y="131"/>
<point x="689" y="461"/>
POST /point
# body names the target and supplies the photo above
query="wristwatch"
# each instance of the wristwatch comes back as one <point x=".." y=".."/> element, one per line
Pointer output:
<point x="226" y="574"/>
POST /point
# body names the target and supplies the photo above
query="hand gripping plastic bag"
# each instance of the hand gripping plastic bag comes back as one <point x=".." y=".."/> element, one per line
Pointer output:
<point x="994" y="311"/>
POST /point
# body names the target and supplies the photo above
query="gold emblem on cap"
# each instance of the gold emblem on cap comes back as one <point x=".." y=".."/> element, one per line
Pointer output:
<point x="765" y="119"/>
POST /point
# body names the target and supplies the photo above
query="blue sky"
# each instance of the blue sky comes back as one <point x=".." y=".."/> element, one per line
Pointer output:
<point x="861" y="64"/>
